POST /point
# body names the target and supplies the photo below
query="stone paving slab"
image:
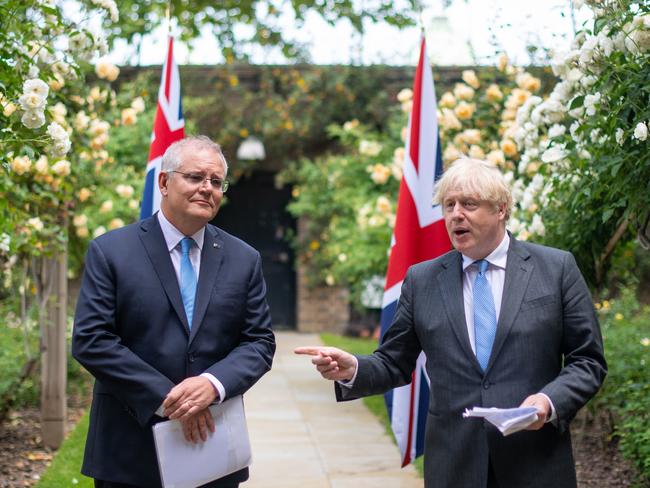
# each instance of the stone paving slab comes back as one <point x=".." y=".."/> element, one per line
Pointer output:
<point x="301" y="437"/>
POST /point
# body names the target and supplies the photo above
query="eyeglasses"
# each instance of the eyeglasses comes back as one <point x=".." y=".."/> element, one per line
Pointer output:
<point x="197" y="180"/>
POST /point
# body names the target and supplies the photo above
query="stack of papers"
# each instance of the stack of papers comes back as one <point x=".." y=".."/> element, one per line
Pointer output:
<point x="507" y="420"/>
<point x="186" y="465"/>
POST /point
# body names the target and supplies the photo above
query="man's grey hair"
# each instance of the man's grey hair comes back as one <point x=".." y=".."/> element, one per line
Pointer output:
<point x="474" y="177"/>
<point x="171" y="160"/>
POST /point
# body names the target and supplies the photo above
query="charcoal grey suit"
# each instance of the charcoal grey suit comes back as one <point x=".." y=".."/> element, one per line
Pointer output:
<point x="548" y="340"/>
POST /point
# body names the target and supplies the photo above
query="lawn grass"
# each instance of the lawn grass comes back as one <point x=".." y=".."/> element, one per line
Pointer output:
<point x="64" y="470"/>
<point x="374" y="403"/>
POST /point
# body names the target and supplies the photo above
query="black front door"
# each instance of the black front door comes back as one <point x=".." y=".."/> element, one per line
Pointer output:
<point x="256" y="212"/>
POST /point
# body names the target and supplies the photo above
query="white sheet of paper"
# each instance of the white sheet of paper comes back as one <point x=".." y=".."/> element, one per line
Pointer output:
<point x="507" y="420"/>
<point x="186" y="465"/>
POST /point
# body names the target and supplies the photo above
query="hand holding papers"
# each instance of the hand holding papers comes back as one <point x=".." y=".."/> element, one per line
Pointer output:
<point x="507" y="420"/>
<point x="187" y="465"/>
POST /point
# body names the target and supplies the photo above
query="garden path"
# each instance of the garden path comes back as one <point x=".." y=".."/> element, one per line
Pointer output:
<point x="301" y="437"/>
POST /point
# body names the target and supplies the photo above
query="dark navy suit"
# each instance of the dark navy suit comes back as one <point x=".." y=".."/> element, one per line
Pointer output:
<point x="131" y="333"/>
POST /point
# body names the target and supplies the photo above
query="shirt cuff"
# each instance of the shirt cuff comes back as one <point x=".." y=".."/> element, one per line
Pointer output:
<point x="350" y="382"/>
<point x="221" y="391"/>
<point x="553" y="416"/>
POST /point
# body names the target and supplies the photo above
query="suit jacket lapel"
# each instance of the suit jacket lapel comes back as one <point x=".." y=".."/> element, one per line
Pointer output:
<point x="450" y="281"/>
<point x="518" y="272"/>
<point x="211" y="260"/>
<point x="154" y="243"/>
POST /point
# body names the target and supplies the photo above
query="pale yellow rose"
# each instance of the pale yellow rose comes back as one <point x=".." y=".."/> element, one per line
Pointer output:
<point x="57" y="82"/>
<point x="82" y="232"/>
<point x="99" y="231"/>
<point x="115" y="224"/>
<point x="21" y="165"/>
<point x="129" y="116"/>
<point x="9" y="109"/>
<point x="138" y="105"/>
<point x="125" y="191"/>
<point x="84" y="194"/>
<point x="380" y="174"/>
<point x="405" y="95"/>
<point x="509" y="114"/>
<point x="42" y="166"/>
<point x="61" y="168"/>
<point x="476" y="152"/>
<point x="463" y="92"/>
<point x="398" y="156"/>
<point x="509" y="148"/>
<point x="448" y="100"/>
<point x="106" y="207"/>
<point x="99" y="141"/>
<point x="350" y="125"/>
<point x="528" y="82"/>
<point x="383" y="205"/>
<point x="404" y="133"/>
<point x="79" y="220"/>
<point x="451" y="153"/>
<point x="449" y="121"/>
<point x="469" y="77"/>
<point x="532" y="168"/>
<point x="496" y="157"/>
<point x="133" y="204"/>
<point x="503" y="62"/>
<point x="107" y="70"/>
<point x="472" y="136"/>
<point x="464" y="110"/>
<point x="493" y="93"/>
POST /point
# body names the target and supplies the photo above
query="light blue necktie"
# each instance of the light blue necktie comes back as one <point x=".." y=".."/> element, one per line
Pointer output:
<point x="485" y="317"/>
<point x="188" y="279"/>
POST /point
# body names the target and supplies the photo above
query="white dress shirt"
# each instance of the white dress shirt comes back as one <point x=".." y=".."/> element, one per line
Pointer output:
<point x="173" y="238"/>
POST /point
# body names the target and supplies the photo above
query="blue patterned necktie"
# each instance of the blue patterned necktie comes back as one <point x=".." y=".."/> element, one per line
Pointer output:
<point x="485" y="317"/>
<point x="188" y="279"/>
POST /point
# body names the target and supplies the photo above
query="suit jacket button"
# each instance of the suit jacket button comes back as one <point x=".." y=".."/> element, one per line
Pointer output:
<point x="191" y="358"/>
<point x="486" y="385"/>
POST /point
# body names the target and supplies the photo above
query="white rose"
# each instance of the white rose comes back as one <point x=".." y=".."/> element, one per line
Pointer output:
<point x="32" y="101"/>
<point x="33" y="119"/>
<point x="35" y="223"/>
<point x="99" y="231"/>
<point x="138" y="104"/>
<point x="405" y="95"/>
<point x="641" y="131"/>
<point x="21" y="165"/>
<point x="620" y="136"/>
<point x="556" y="130"/>
<point x="36" y="86"/>
<point x="125" y="191"/>
<point x="106" y="207"/>
<point x="554" y="153"/>
<point x="369" y="148"/>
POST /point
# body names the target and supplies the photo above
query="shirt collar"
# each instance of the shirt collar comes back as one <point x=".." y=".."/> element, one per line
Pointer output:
<point x="497" y="258"/>
<point x="173" y="236"/>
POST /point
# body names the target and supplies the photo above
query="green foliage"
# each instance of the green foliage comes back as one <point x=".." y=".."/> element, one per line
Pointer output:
<point x="349" y="204"/>
<point x="13" y="358"/>
<point x="626" y="393"/>
<point x="239" y="24"/>
<point x="65" y="467"/>
<point x="288" y="109"/>
<point x="591" y="138"/>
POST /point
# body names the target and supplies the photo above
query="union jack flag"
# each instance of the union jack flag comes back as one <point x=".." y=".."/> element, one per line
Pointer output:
<point x="168" y="127"/>
<point x="419" y="235"/>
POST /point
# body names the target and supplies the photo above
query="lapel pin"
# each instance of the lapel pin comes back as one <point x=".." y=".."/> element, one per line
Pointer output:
<point x="214" y="244"/>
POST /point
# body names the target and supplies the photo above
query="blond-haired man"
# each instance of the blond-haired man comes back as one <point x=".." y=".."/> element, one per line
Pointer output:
<point x="503" y="323"/>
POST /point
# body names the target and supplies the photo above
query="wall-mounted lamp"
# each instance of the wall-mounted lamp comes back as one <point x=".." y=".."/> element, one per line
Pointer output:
<point x="251" y="148"/>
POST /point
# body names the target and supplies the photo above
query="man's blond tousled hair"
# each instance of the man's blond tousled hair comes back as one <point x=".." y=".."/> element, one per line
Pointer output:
<point x="474" y="177"/>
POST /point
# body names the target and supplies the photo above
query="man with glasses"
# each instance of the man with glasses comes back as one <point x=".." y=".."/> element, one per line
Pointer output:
<point x="171" y="317"/>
